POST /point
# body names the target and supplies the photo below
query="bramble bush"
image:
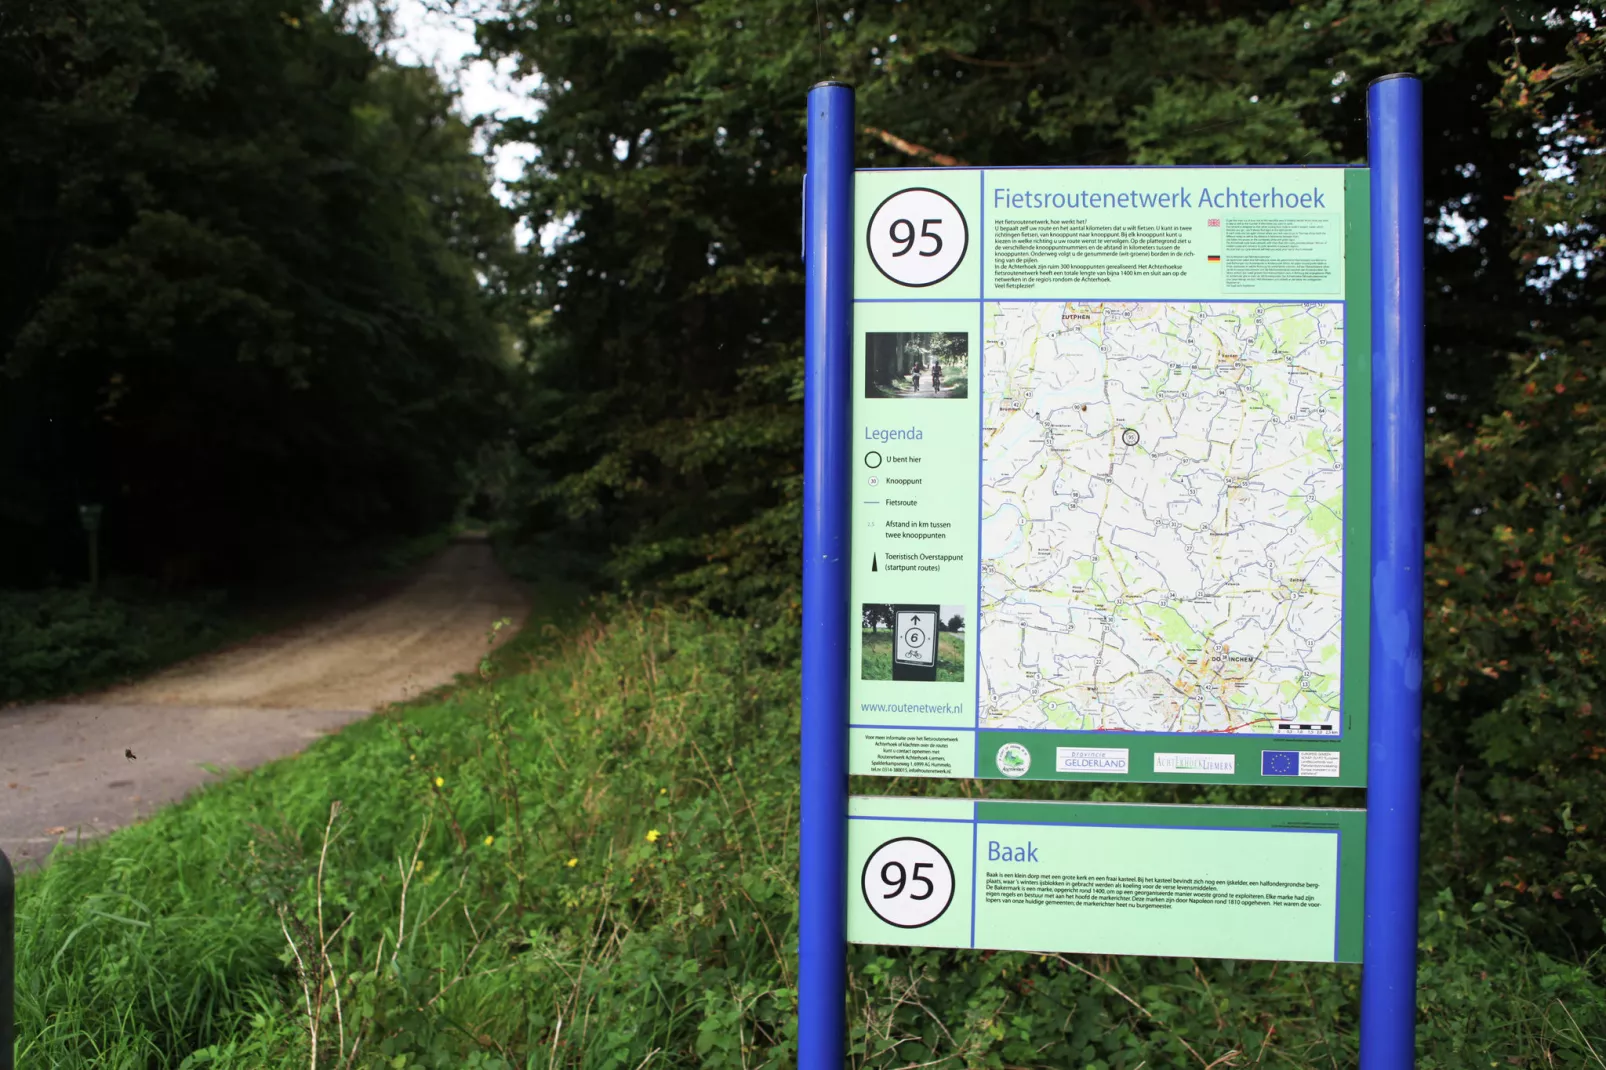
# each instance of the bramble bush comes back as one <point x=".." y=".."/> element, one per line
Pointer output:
<point x="60" y="638"/>
<point x="57" y="640"/>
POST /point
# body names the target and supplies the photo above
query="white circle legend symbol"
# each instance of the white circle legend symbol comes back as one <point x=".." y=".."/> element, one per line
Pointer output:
<point x="907" y="882"/>
<point x="917" y="237"/>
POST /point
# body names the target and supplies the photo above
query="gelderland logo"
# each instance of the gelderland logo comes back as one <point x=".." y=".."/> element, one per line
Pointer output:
<point x="1014" y="760"/>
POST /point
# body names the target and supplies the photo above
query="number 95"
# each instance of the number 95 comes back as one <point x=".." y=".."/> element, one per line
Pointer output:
<point x="907" y="882"/>
<point x="902" y="232"/>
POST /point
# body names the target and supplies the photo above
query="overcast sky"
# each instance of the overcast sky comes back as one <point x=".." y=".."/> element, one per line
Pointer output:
<point x="427" y="36"/>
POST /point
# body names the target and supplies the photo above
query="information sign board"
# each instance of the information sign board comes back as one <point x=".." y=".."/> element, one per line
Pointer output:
<point x="1168" y="510"/>
<point x="1107" y="878"/>
<point x="1118" y="422"/>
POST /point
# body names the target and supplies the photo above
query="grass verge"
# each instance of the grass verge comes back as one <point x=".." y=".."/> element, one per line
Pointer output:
<point x="875" y="656"/>
<point x="588" y="860"/>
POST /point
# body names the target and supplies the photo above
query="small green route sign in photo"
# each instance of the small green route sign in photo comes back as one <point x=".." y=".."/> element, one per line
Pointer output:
<point x="1119" y="421"/>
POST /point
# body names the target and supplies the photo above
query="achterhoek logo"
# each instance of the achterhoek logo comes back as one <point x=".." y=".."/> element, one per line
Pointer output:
<point x="1014" y="760"/>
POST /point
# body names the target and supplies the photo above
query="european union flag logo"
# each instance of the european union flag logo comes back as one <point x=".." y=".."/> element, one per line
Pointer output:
<point x="1279" y="763"/>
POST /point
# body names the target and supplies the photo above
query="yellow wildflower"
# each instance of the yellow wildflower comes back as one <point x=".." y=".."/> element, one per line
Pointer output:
<point x="571" y="863"/>
<point x="489" y="840"/>
<point x="418" y="866"/>
<point x="440" y="782"/>
<point x="652" y="835"/>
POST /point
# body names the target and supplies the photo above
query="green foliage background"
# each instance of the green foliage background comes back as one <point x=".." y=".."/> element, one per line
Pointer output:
<point x="664" y="328"/>
<point x="661" y="429"/>
<point x="246" y="296"/>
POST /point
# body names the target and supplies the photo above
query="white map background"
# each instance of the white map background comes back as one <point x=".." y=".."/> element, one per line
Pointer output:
<point x="1162" y="517"/>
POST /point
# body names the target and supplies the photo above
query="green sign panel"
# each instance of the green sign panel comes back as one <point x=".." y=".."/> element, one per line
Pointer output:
<point x="1113" y="426"/>
<point x="1107" y="878"/>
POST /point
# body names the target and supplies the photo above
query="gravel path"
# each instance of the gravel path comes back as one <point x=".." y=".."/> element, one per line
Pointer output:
<point x="64" y="767"/>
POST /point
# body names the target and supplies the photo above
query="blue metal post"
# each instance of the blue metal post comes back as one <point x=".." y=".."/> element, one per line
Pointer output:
<point x="827" y="383"/>
<point x="1393" y="823"/>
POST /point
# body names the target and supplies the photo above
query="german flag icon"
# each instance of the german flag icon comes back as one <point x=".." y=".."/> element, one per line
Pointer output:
<point x="1214" y="259"/>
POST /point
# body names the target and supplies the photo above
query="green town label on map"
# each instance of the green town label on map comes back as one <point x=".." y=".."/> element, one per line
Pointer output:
<point x="1114" y="426"/>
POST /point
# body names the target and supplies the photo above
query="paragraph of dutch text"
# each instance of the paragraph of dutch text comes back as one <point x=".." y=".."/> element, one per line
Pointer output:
<point x="1144" y="893"/>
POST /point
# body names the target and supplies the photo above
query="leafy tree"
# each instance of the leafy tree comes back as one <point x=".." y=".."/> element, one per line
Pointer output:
<point x="876" y="615"/>
<point x="662" y="427"/>
<point x="887" y="359"/>
<point x="243" y="300"/>
<point x="1516" y="582"/>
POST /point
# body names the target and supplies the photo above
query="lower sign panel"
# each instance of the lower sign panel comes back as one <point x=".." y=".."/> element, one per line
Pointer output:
<point x="1107" y="878"/>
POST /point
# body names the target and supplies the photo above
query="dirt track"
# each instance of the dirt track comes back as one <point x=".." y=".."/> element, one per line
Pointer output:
<point x="63" y="767"/>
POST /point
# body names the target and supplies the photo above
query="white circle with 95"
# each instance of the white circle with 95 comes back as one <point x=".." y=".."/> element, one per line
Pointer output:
<point x="907" y="882"/>
<point x="917" y="237"/>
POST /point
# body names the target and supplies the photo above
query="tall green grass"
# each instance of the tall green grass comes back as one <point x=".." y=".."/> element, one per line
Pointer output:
<point x="875" y="656"/>
<point x="590" y="862"/>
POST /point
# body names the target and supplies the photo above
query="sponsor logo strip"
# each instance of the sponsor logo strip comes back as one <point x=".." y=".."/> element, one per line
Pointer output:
<point x="1299" y="763"/>
<point x="1091" y="760"/>
<point x="1167" y="762"/>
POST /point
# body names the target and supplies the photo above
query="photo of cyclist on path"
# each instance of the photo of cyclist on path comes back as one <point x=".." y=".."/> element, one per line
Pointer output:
<point x="907" y="364"/>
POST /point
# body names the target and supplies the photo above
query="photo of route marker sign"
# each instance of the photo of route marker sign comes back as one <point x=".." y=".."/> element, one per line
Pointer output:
<point x="914" y="642"/>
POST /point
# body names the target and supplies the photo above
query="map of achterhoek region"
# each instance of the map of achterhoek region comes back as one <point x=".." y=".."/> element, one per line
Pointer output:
<point x="1162" y="517"/>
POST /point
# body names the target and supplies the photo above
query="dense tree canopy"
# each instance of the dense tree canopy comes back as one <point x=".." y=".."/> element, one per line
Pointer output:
<point x="665" y="335"/>
<point x="1516" y="592"/>
<point x="666" y="339"/>
<point x="245" y="297"/>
